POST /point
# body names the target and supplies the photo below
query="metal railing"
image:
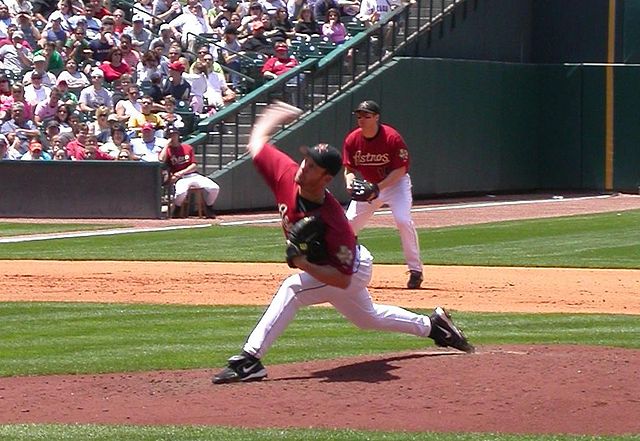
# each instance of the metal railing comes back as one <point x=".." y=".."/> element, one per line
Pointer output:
<point x="220" y="139"/>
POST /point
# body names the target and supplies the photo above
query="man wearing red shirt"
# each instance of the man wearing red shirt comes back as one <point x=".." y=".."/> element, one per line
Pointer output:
<point x="339" y="278"/>
<point x="182" y="169"/>
<point x="379" y="154"/>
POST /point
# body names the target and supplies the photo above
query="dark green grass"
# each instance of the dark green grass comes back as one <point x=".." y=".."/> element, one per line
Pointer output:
<point x="47" y="338"/>
<point x="18" y="229"/>
<point x="609" y="240"/>
<point x="203" y="433"/>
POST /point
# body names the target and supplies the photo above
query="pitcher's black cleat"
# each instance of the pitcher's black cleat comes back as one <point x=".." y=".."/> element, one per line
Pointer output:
<point x="415" y="280"/>
<point x="243" y="367"/>
<point x="446" y="334"/>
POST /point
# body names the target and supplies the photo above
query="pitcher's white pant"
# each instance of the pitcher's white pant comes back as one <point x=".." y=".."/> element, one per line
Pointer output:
<point x="196" y="180"/>
<point x="354" y="303"/>
<point x="399" y="199"/>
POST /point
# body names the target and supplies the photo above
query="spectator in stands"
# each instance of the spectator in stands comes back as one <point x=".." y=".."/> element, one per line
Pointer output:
<point x="155" y="89"/>
<point x="101" y="126"/>
<point x="257" y="42"/>
<point x="66" y="96"/>
<point x="101" y="11"/>
<point x="144" y="8"/>
<point x="271" y="6"/>
<point x="148" y="65"/>
<point x="92" y="25"/>
<point x="54" y="61"/>
<point x="15" y="56"/>
<point x="64" y="12"/>
<point x="77" y="46"/>
<point x="280" y="22"/>
<point x="180" y="159"/>
<point x="47" y="109"/>
<point x="63" y="114"/>
<point x="5" y="19"/>
<point x="223" y="19"/>
<point x="17" y="93"/>
<point x="35" y="153"/>
<point x="177" y="86"/>
<point x="92" y="150"/>
<point x="7" y="152"/>
<point x="120" y="87"/>
<point x="6" y="100"/>
<point x="36" y="91"/>
<point x="102" y="45"/>
<point x="114" y="66"/>
<point x="18" y="129"/>
<point x="254" y="15"/>
<point x="60" y="155"/>
<point x="169" y="115"/>
<point x="198" y="85"/>
<point x="148" y="146"/>
<point x="307" y="25"/>
<point x="163" y="41"/>
<point x="76" y="80"/>
<point x="371" y="11"/>
<point x="322" y="7"/>
<point x="280" y="63"/>
<point x="18" y="6"/>
<point x="118" y="138"/>
<point x="186" y="27"/>
<point x="95" y="95"/>
<point x="202" y="51"/>
<point x="76" y="148"/>
<point x="333" y="28"/>
<point x="40" y="66"/>
<point x="24" y="23"/>
<point x="295" y="6"/>
<point x="124" y="155"/>
<point x="146" y="115"/>
<point x="55" y="33"/>
<point x="129" y="55"/>
<point x="175" y="54"/>
<point x="229" y="54"/>
<point x="166" y="10"/>
<point x="130" y="107"/>
<point x="51" y="132"/>
<point x="140" y="36"/>
<point x="119" y="25"/>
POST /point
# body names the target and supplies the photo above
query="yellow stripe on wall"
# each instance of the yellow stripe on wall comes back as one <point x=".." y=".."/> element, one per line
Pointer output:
<point x="609" y="111"/>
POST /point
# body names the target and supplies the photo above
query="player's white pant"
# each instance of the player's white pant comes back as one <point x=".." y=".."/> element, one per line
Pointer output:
<point x="354" y="303"/>
<point x="196" y="180"/>
<point x="399" y="199"/>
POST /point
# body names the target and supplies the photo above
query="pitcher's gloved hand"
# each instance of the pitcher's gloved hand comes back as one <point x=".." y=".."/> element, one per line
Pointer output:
<point x="306" y="238"/>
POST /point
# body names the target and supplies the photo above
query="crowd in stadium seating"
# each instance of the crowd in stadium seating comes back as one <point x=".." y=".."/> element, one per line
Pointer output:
<point x="104" y="79"/>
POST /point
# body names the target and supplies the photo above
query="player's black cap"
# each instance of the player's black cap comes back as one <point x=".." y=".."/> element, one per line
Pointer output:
<point x="325" y="156"/>
<point x="368" y="106"/>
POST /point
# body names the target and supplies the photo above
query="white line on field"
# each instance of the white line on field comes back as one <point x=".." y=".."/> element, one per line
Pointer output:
<point x="109" y="232"/>
<point x="459" y="206"/>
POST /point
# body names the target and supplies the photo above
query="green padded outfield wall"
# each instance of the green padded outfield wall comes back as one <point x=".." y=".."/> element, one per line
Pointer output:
<point x="472" y="127"/>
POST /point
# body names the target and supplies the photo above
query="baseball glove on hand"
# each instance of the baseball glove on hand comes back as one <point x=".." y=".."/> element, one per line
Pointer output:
<point x="364" y="191"/>
<point x="306" y="238"/>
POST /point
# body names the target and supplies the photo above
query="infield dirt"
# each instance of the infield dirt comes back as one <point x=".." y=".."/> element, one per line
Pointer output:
<point x="532" y="389"/>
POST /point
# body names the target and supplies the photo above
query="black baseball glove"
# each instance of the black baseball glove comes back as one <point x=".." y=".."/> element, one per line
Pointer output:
<point x="364" y="191"/>
<point x="306" y="238"/>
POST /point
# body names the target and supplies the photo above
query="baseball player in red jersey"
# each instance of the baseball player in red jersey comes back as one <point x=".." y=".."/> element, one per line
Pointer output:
<point x="342" y="277"/>
<point x="182" y="165"/>
<point x="379" y="154"/>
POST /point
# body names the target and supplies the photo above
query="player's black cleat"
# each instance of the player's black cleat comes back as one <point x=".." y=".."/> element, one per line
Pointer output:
<point x="446" y="334"/>
<point x="243" y="367"/>
<point x="415" y="280"/>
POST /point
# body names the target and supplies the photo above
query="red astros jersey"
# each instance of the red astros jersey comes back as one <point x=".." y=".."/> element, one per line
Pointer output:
<point x="179" y="158"/>
<point x="375" y="158"/>
<point x="279" y="172"/>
